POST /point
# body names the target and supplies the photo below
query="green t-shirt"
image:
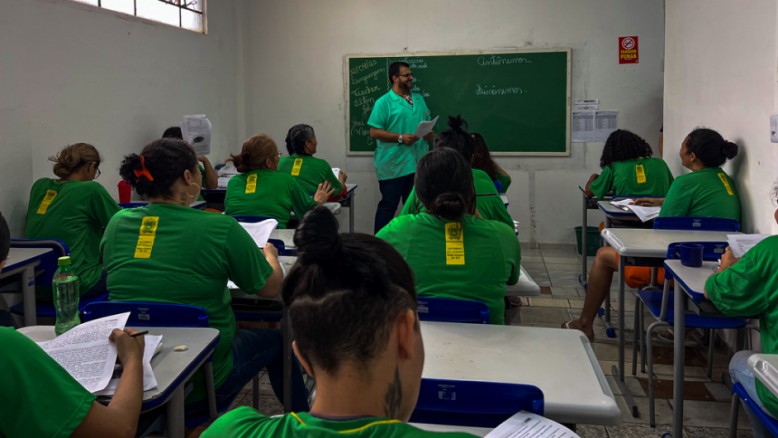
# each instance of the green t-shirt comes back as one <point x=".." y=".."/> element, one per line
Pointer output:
<point x="245" y="422"/>
<point x="708" y="192"/>
<point x="642" y="176"/>
<point x="394" y="114"/>
<point x="504" y="180"/>
<point x="175" y="254"/>
<point x="38" y="398"/>
<point x="490" y="259"/>
<point x="750" y="288"/>
<point x="309" y="172"/>
<point x="487" y="200"/>
<point x="266" y="192"/>
<point x="76" y="213"/>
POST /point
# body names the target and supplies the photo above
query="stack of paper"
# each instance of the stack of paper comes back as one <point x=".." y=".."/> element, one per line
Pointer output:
<point x="741" y="243"/>
<point x="645" y="214"/>
<point x="529" y="425"/>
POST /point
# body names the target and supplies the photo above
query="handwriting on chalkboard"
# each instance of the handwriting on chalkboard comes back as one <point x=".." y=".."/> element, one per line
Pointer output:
<point x="499" y="60"/>
<point x="493" y="90"/>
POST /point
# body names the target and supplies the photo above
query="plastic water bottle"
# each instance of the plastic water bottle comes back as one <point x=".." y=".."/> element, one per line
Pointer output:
<point x="66" y="296"/>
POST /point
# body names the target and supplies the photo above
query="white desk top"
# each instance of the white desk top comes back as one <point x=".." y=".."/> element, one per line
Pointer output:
<point x="287" y="236"/>
<point x="18" y="257"/>
<point x="526" y="287"/>
<point x="614" y="211"/>
<point x="765" y="368"/>
<point x="642" y="242"/>
<point x="170" y="367"/>
<point x="559" y="362"/>
<point x="692" y="279"/>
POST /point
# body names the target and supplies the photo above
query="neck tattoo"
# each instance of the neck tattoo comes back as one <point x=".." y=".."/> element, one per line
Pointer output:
<point x="393" y="396"/>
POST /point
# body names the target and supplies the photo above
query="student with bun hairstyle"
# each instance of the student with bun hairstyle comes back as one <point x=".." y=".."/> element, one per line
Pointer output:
<point x="307" y="170"/>
<point x="261" y="190"/>
<point x="75" y="209"/>
<point x="482" y="160"/>
<point x="706" y="192"/>
<point x="629" y="169"/>
<point x="169" y="252"/>
<point x="352" y="307"/>
<point x="488" y="203"/>
<point x="454" y="253"/>
<point x="40" y="398"/>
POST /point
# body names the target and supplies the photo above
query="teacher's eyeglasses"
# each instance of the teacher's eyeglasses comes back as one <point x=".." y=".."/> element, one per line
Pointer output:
<point x="408" y="75"/>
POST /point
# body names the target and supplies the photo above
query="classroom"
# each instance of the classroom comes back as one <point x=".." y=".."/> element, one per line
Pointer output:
<point x="77" y="73"/>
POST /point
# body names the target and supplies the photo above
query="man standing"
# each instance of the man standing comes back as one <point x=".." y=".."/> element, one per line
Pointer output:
<point x="393" y="121"/>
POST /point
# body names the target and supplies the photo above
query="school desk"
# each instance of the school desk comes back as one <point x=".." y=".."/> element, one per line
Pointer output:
<point x="613" y="212"/>
<point x="645" y="247"/>
<point x="196" y="204"/>
<point x="171" y="368"/>
<point x="22" y="262"/>
<point x="588" y="204"/>
<point x="765" y="368"/>
<point x="559" y="362"/>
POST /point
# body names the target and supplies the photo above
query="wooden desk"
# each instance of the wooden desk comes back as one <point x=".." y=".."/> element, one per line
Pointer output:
<point x="635" y="246"/>
<point x="171" y="368"/>
<point x="22" y="261"/>
<point x="559" y="362"/>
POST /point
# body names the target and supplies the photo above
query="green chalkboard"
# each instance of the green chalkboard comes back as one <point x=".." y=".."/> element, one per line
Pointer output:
<point x="519" y="101"/>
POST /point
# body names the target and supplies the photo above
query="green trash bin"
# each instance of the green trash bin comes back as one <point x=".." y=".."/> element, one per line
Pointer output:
<point x="592" y="240"/>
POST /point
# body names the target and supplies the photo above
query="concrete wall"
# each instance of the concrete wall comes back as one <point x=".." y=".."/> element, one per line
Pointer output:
<point x="721" y="73"/>
<point x="294" y="74"/>
<point x="72" y="72"/>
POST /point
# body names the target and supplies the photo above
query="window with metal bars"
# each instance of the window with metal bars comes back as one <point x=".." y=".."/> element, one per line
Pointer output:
<point x="186" y="14"/>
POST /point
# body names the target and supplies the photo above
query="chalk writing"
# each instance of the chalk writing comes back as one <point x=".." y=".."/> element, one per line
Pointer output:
<point x="366" y="91"/>
<point x="368" y="77"/>
<point x="492" y="90"/>
<point x="499" y="60"/>
<point x="364" y="65"/>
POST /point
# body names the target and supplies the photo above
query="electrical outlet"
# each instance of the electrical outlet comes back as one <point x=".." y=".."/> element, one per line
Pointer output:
<point x="774" y="128"/>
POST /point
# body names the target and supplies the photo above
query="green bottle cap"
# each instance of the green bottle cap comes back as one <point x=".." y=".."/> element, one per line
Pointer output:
<point x="63" y="261"/>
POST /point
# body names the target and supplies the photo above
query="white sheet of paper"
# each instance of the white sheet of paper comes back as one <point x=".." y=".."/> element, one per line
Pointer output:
<point x="645" y="214"/>
<point x="741" y="243"/>
<point x="152" y="344"/>
<point x="336" y="171"/>
<point x="425" y="127"/>
<point x="260" y="231"/>
<point x="196" y="129"/>
<point x="85" y="351"/>
<point x="527" y="424"/>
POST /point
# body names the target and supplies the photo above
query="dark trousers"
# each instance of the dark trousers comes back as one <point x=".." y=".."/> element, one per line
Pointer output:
<point x="391" y="192"/>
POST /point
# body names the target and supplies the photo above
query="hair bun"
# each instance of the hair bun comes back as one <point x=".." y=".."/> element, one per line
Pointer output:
<point x="729" y="149"/>
<point x="457" y="122"/>
<point x="317" y="237"/>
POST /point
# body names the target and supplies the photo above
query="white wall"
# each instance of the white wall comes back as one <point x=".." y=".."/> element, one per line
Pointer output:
<point x="73" y="73"/>
<point x="721" y="73"/>
<point x="294" y="74"/>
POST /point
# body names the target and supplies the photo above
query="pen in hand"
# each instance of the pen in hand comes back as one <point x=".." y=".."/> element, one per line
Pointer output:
<point x="135" y="335"/>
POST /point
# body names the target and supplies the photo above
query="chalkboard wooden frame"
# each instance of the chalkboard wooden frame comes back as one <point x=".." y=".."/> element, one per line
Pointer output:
<point x="561" y="147"/>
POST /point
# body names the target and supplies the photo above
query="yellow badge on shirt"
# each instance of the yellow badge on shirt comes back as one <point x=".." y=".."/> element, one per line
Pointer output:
<point x="723" y="178"/>
<point x="251" y="184"/>
<point x="47" y="199"/>
<point x="148" y="231"/>
<point x="298" y="163"/>
<point x="640" y="173"/>
<point x="455" y="244"/>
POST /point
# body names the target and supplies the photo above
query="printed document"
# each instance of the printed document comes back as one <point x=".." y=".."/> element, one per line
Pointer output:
<point x="425" y="127"/>
<point x="741" y="243"/>
<point x="260" y="231"/>
<point x="527" y="424"/>
<point x="196" y="129"/>
<point x="152" y="345"/>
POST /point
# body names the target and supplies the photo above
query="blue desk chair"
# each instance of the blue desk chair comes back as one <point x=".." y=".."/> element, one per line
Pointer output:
<point x="661" y="306"/>
<point x="452" y="310"/>
<point x="143" y="314"/>
<point x="44" y="273"/>
<point x="739" y="393"/>
<point x="252" y="219"/>
<point x="696" y="223"/>
<point x="133" y="204"/>
<point x="473" y="403"/>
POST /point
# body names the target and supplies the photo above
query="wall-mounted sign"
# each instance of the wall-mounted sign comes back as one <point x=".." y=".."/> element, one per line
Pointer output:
<point x="628" y="50"/>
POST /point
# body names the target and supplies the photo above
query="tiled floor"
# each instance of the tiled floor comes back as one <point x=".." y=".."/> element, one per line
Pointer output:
<point x="555" y="268"/>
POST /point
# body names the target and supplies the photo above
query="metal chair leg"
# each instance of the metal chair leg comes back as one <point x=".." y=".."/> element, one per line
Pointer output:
<point x="635" y="338"/>
<point x="642" y="339"/>
<point x="255" y="392"/>
<point x="733" y="413"/>
<point x="650" y="360"/>
<point x="711" y="343"/>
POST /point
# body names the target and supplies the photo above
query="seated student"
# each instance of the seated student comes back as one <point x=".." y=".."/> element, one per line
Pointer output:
<point x="706" y="192"/>
<point x="748" y="287"/>
<point x="168" y="252"/>
<point x="629" y="169"/>
<point x="74" y="209"/>
<point x="368" y="362"/>
<point x="454" y="253"/>
<point x="307" y="170"/>
<point x="261" y="190"/>
<point x="488" y="203"/>
<point x="210" y="177"/>
<point x="40" y="398"/>
<point x="482" y="160"/>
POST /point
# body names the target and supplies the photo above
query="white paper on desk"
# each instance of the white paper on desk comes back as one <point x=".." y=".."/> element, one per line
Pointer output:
<point x="645" y="214"/>
<point x="336" y="171"/>
<point x="424" y="128"/>
<point x="85" y="351"/>
<point x="196" y="129"/>
<point x="260" y="231"/>
<point x="623" y="202"/>
<point x="222" y="181"/>
<point x="152" y="344"/>
<point x="741" y="243"/>
<point x="527" y="424"/>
